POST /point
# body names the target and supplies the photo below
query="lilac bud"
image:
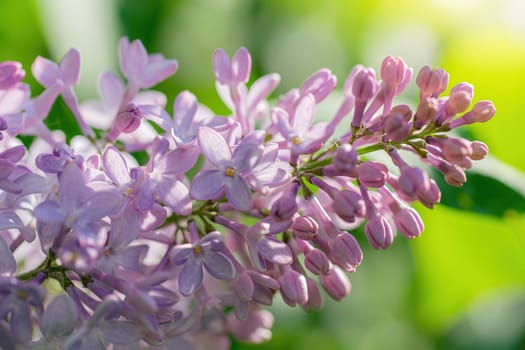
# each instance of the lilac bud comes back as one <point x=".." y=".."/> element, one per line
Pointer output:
<point x="129" y="119"/>
<point x="336" y="283"/>
<point x="316" y="262"/>
<point x="346" y="159"/>
<point x="284" y="208"/>
<point x="408" y="222"/>
<point x="379" y="232"/>
<point x="345" y="251"/>
<point x="305" y="227"/>
<point x="315" y="298"/>
<point x="429" y="195"/>
<point x="479" y="150"/>
<point x="459" y="100"/>
<point x="483" y="111"/>
<point x="348" y="205"/>
<point x="11" y="73"/>
<point x="457" y="150"/>
<point x="426" y="112"/>
<point x="393" y="70"/>
<point x="364" y="84"/>
<point x="396" y="124"/>
<point x="431" y="82"/>
<point x="293" y="287"/>
<point x="372" y="174"/>
<point x="412" y="180"/>
<point x="480" y="113"/>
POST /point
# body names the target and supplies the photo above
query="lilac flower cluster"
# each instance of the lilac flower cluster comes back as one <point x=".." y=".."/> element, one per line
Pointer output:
<point x="189" y="248"/>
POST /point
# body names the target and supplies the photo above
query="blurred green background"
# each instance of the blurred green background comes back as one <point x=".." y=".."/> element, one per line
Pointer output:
<point x="459" y="286"/>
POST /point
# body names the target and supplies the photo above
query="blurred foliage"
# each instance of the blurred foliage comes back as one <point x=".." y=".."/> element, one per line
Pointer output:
<point x="459" y="286"/>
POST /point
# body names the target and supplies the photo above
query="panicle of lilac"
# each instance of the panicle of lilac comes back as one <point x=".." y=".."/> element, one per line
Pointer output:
<point x="137" y="247"/>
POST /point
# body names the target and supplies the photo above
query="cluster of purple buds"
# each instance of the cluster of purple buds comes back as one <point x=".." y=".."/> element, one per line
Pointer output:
<point x="189" y="248"/>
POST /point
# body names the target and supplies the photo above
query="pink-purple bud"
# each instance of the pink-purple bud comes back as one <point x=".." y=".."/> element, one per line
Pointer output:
<point x="408" y="222"/>
<point x="379" y="232"/>
<point x="431" y="83"/>
<point x="345" y="251"/>
<point x="284" y="208"/>
<point x="480" y="113"/>
<point x="393" y="70"/>
<point x="397" y="123"/>
<point x="129" y="119"/>
<point x="426" y="112"/>
<point x="479" y="150"/>
<point x="364" y="84"/>
<point x="458" y="101"/>
<point x="348" y="205"/>
<point x="315" y="297"/>
<point x="336" y="283"/>
<point x="483" y="111"/>
<point x="317" y="262"/>
<point x="346" y="159"/>
<point x="11" y="73"/>
<point x="305" y="227"/>
<point x="372" y="174"/>
<point x="293" y="288"/>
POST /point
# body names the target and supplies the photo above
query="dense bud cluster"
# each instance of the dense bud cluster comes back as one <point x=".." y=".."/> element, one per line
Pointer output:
<point x="149" y="256"/>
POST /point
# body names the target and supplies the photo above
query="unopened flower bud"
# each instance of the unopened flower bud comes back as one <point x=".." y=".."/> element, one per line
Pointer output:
<point x="315" y="297"/>
<point x="305" y="227"/>
<point x="393" y="70"/>
<point x="426" y="112"/>
<point x="364" y="84"/>
<point x="431" y="82"/>
<point x="345" y="251"/>
<point x="479" y="150"/>
<point x="293" y="287"/>
<point x="379" y="232"/>
<point x="348" y="205"/>
<point x="129" y="119"/>
<point x="396" y="124"/>
<point x="372" y="174"/>
<point x="459" y="100"/>
<point x="284" y="208"/>
<point x="317" y="262"/>
<point x="483" y="111"/>
<point x="408" y="222"/>
<point x="336" y="283"/>
<point x="346" y="159"/>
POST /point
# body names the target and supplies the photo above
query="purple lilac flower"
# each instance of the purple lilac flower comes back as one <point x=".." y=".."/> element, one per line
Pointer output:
<point x="230" y="169"/>
<point x="206" y="253"/>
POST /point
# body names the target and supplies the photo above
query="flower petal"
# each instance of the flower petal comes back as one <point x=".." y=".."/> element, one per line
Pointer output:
<point x="214" y="147"/>
<point x="208" y="184"/>
<point x="238" y="193"/>
<point x="176" y="195"/>
<point x="219" y="265"/>
<point x="115" y="166"/>
<point x="275" y="251"/>
<point x="190" y="277"/>
<point x="60" y="317"/>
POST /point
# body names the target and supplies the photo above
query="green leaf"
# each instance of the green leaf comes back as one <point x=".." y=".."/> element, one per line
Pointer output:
<point x="492" y="188"/>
